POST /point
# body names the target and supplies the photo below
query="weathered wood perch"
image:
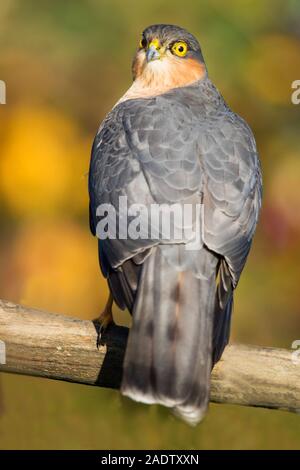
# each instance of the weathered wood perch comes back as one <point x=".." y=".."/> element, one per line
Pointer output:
<point x="63" y="348"/>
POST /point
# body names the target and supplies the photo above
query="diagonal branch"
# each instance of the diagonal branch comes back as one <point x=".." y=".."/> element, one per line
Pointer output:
<point x="64" y="348"/>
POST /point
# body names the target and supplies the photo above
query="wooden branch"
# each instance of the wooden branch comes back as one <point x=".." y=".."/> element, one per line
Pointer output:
<point x="63" y="348"/>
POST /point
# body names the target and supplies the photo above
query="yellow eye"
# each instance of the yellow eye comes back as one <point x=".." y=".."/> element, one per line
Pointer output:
<point x="180" y="48"/>
<point x="143" y="43"/>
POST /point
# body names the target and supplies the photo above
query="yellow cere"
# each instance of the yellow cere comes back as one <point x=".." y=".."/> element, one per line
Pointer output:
<point x="180" y="48"/>
<point x="155" y="43"/>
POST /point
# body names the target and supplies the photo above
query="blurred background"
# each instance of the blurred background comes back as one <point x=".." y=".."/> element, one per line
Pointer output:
<point x="65" y="64"/>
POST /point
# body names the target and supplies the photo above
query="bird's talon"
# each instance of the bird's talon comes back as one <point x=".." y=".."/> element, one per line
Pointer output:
<point x="102" y="329"/>
<point x="104" y="320"/>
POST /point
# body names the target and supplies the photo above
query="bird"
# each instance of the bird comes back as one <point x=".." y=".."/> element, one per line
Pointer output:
<point x="172" y="139"/>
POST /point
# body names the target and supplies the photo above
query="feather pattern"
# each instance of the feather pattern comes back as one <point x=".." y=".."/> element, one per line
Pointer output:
<point x="168" y="356"/>
<point x="183" y="146"/>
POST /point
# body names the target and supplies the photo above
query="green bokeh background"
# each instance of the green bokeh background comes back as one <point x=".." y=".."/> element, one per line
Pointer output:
<point x="65" y="64"/>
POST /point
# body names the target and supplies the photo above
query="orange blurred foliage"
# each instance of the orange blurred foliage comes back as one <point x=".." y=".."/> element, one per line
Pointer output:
<point x="44" y="165"/>
<point x="272" y="65"/>
<point x="54" y="266"/>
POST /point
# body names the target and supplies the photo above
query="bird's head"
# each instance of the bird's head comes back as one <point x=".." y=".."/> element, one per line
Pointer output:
<point x="167" y="57"/>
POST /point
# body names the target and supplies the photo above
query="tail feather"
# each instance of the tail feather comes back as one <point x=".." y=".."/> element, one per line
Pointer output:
<point x="168" y="356"/>
<point x="223" y="311"/>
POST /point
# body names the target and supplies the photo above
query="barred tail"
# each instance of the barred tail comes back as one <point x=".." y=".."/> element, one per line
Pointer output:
<point x="169" y="353"/>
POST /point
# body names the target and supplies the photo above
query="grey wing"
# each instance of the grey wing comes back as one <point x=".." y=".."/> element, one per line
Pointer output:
<point x="232" y="200"/>
<point x="115" y="173"/>
<point x="140" y="153"/>
<point x="155" y="151"/>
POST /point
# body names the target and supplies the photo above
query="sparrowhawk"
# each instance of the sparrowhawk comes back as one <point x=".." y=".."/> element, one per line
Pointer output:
<point x="172" y="139"/>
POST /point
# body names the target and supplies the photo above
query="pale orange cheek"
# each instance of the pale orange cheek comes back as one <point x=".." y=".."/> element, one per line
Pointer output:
<point x="170" y="72"/>
<point x="160" y="76"/>
<point x="138" y="64"/>
<point x="183" y="72"/>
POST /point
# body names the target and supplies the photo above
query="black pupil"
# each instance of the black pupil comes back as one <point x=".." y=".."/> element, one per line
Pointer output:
<point x="180" y="48"/>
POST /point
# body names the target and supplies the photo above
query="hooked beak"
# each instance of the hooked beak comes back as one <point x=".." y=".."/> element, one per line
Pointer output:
<point x="153" y="52"/>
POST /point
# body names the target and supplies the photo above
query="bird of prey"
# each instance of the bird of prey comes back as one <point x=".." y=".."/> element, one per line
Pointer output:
<point x="172" y="139"/>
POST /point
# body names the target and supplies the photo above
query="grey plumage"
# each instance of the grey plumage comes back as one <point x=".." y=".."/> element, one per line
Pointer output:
<point x="169" y="346"/>
<point x="170" y="33"/>
<point x="184" y="145"/>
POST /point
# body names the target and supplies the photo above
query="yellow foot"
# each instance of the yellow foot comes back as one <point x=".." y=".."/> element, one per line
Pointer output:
<point x="105" y="319"/>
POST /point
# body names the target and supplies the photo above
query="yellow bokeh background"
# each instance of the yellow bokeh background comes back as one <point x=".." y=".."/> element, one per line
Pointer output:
<point x="65" y="65"/>
<point x="44" y="164"/>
